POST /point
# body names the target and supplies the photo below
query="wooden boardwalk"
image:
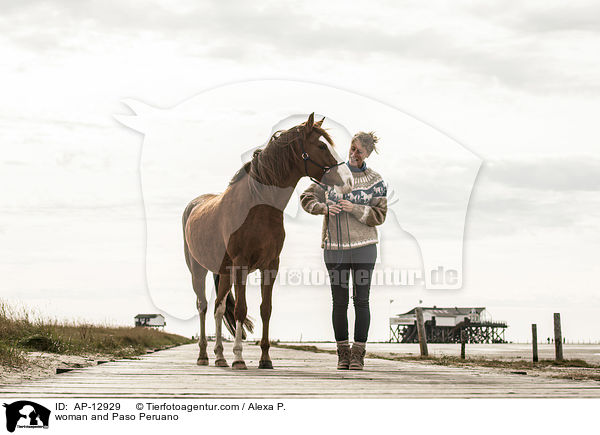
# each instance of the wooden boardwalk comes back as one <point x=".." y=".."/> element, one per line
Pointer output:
<point x="297" y="374"/>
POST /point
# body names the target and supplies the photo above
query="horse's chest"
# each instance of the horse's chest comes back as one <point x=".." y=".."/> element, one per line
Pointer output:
<point x="259" y="240"/>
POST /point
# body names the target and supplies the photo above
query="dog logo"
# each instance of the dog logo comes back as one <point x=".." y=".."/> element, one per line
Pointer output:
<point x="26" y="414"/>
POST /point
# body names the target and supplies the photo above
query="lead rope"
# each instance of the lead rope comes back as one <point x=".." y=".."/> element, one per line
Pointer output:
<point x="329" y="244"/>
<point x="338" y="223"/>
<point x="350" y="253"/>
<point x="339" y="235"/>
<point x="327" y="223"/>
<point x="340" y="244"/>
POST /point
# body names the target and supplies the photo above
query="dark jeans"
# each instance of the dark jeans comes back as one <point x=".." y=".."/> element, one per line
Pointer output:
<point x="340" y="263"/>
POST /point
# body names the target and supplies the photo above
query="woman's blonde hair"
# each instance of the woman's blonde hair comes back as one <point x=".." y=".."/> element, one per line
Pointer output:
<point x="367" y="140"/>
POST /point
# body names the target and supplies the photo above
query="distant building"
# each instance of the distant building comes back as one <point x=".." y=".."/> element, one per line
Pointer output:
<point x="150" y="320"/>
<point x="444" y="325"/>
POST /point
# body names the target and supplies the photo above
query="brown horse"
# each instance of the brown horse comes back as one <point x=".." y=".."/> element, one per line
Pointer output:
<point x="241" y="230"/>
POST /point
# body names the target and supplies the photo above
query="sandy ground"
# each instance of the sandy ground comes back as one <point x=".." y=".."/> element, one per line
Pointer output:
<point x="44" y="364"/>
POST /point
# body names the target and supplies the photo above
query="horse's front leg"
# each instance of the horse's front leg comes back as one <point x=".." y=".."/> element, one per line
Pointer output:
<point x="240" y="274"/>
<point x="222" y="291"/>
<point x="267" y="281"/>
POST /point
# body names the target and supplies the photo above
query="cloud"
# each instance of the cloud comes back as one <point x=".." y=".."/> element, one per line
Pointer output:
<point x="548" y="193"/>
<point x="489" y="44"/>
<point x="511" y="196"/>
<point x="541" y="17"/>
<point x="551" y="174"/>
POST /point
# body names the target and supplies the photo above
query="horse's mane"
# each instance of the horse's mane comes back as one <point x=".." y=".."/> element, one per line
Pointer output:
<point x="271" y="164"/>
<point x="241" y="172"/>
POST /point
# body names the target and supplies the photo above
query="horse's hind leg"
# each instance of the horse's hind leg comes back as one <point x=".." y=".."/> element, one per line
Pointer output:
<point x="220" y="304"/>
<point x="199" y="284"/>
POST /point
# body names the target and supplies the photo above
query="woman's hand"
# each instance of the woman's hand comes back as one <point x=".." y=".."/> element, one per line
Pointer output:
<point x="334" y="208"/>
<point x="346" y="205"/>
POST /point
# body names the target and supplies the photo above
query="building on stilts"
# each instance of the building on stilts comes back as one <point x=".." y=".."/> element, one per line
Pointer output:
<point x="444" y="325"/>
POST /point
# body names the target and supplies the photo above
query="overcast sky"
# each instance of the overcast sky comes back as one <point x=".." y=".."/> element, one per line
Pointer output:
<point x="517" y="84"/>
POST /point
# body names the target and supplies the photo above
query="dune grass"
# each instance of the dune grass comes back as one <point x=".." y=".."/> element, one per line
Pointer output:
<point x="22" y="332"/>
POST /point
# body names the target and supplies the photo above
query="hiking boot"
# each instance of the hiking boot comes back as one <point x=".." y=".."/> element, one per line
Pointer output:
<point x="343" y="351"/>
<point x="357" y="356"/>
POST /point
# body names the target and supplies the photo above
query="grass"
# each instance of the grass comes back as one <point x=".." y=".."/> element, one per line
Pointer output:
<point x="450" y="360"/>
<point x="22" y="332"/>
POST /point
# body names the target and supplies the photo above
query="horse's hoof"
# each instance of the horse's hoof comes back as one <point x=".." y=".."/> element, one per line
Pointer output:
<point x="239" y="365"/>
<point x="265" y="364"/>
<point x="221" y="363"/>
<point x="202" y="361"/>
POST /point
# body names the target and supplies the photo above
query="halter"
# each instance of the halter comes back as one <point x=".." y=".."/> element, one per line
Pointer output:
<point x="307" y="159"/>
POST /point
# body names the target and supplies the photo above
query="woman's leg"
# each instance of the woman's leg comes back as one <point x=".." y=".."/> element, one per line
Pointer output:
<point x="363" y="262"/>
<point x="339" y="274"/>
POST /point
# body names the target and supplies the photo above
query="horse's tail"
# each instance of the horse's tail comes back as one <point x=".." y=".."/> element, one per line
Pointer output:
<point x="184" y="218"/>
<point x="229" y="317"/>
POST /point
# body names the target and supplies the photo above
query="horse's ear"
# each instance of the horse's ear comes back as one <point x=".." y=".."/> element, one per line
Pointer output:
<point x="319" y="123"/>
<point x="310" y="122"/>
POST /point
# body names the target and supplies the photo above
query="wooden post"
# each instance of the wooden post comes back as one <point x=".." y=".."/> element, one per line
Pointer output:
<point x="558" y="338"/>
<point x="421" y="331"/>
<point x="463" y="343"/>
<point x="534" y="342"/>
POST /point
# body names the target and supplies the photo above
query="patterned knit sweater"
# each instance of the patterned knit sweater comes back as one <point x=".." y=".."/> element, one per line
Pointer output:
<point x="370" y="208"/>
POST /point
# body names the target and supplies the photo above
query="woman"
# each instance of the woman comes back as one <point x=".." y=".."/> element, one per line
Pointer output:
<point x="349" y="238"/>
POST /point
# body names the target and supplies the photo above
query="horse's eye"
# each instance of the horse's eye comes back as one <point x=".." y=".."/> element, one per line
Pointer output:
<point x="322" y="146"/>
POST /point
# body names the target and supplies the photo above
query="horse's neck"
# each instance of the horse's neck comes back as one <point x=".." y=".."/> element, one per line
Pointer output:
<point x="267" y="188"/>
<point x="275" y="196"/>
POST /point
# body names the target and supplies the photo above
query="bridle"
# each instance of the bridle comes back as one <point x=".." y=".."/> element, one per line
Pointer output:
<point x="308" y="160"/>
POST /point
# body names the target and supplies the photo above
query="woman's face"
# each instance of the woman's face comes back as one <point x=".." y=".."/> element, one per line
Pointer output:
<point x="357" y="154"/>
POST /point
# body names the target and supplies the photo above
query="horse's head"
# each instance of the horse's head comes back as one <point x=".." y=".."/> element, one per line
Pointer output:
<point x="321" y="162"/>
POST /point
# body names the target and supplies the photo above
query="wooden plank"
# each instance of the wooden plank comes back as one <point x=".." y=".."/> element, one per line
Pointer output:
<point x="173" y="373"/>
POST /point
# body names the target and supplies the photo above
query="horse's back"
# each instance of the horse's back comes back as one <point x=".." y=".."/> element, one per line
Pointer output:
<point x="200" y="200"/>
